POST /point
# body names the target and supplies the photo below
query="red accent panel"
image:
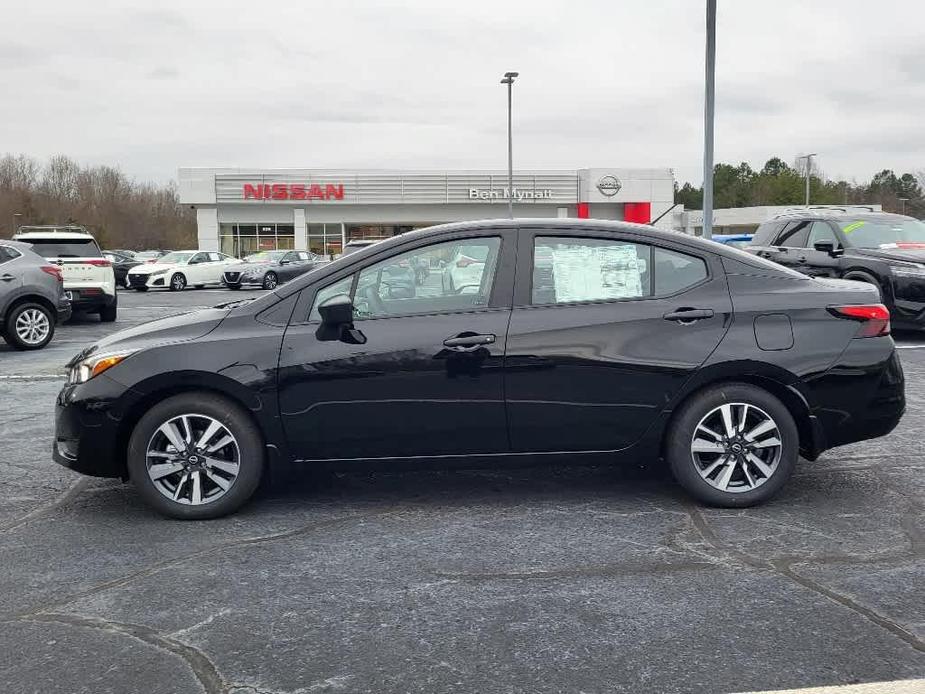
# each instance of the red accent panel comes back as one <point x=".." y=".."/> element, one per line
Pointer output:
<point x="584" y="210"/>
<point x="638" y="212"/>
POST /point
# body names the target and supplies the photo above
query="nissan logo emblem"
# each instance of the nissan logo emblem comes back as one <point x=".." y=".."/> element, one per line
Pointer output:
<point x="609" y="185"/>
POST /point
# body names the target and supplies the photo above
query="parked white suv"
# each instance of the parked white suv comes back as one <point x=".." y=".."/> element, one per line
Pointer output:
<point x="89" y="280"/>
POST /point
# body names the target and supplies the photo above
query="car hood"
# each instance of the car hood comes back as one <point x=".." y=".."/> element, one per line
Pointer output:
<point x="179" y="328"/>
<point x="910" y="255"/>
<point x="147" y="268"/>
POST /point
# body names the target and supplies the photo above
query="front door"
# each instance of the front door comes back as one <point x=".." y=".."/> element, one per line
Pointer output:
<point x="427" y="378"/>
<point x="820" y="263"/>
<point x="606" y="330"/>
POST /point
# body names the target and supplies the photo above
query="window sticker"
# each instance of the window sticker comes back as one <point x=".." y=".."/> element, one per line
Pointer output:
<point x="854" y="225"/>
<point x="589" y="273"/>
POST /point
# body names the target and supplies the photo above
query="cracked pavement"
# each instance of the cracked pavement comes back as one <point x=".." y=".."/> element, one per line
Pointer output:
<point x="540" y="580"/>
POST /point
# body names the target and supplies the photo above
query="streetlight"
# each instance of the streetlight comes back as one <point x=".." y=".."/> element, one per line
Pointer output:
<point x="809" y="168"/>
<point x="903" y="201"/>
<point x="509" y="81"/>
<point x="708" y="121"/>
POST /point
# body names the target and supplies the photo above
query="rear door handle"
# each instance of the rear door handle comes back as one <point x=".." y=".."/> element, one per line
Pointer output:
<point x="468" y="343"/>
<point x="7" y="278"/>
<point x="689" y="315"/>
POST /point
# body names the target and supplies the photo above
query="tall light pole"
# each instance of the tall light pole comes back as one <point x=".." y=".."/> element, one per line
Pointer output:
<point x="903" y="201"/>
<point x="509" y="81"/>
<point x="809" y="168"/>
<point x="708" y="121"/>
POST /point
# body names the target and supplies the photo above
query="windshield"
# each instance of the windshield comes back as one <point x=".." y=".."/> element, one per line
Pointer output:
<point x="265" y="257"/>
<point x="175" y="258"/>
<point x="65" y="248"/>
<point x="884" y="234"/>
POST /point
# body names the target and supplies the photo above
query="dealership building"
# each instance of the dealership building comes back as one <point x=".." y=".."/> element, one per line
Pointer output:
<point x="240" y="211"/>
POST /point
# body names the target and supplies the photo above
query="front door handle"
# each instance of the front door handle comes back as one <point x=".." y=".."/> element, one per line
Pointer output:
<point x="468" y="342"/>
<point x="689" y="315"/>
<point x="7" y="278"/>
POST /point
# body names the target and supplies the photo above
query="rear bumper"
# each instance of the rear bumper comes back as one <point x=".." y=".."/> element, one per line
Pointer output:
<point x="90" y="299"/>
<point x="861" y="397"/>
<point x="65" y="309"/>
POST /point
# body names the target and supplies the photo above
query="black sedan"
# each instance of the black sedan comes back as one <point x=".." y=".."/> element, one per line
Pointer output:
<point x="633" y="344"/>
<point x="121" y="264"/>
<point x="268" y="269"/>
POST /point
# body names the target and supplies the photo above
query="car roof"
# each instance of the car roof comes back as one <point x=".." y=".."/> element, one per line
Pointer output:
<point x="836" y="213"/>
<point x="52" y="234"/>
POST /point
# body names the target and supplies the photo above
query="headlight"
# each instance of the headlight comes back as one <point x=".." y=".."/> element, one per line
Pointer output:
<point x="158" y="272"/>
<point x="908" y="270"/>
<point x="94" y="365"/>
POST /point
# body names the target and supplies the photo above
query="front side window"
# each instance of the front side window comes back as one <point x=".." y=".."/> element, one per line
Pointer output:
<point x="821" y="231"/>
<point x="449" y="276"/>
<point x="199" y="258"/>
<point x="567" y="270"/>
<point x="340" y="287"/>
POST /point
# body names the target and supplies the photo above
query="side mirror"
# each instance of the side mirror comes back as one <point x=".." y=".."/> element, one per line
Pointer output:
<point x="827" y="246"/>
<point x="286" y="262"/>
<point x="338" y="310"/>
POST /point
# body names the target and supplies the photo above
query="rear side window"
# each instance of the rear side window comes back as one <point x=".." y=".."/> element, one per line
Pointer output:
<point x="7" y="253"/>
<point x="567" y="270"/>
<point x="676" y="271"/>
<point x="764" y="234"/>
<point x="794" y="235"/>
<point x="66" y="248"/>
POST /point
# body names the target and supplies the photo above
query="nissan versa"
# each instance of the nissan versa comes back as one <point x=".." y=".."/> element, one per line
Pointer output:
<point x="575" y="340"/>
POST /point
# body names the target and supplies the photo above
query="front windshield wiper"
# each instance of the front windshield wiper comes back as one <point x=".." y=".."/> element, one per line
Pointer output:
<point x="236" y="303"/>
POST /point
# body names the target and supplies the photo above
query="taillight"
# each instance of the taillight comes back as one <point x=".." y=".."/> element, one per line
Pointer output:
<point x="54" y="271"/>
<point x="98" y="262"/>
<point x="875" y="318"/>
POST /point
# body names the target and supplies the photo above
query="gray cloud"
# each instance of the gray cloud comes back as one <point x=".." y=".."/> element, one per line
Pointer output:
<point x="413" y="83"/>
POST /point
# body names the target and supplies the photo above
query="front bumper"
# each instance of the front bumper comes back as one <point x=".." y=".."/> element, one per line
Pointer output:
<point x="907" y="308"/>
<point x="239" y="279"/>
<point x="146" y="280"/>
<point x="87" y="420"/>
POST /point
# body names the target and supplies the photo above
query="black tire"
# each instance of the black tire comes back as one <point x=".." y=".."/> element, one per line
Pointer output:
<point x="233" y="287"/>
<point x="680" y="435"/>
<point x="12" y="336"/>
<point x="108" y="313"/>
<point x="270" y="281"/>
<point x="177" y="282"/>
<point x="141" y="289"/>
<point x="859" y="276"/>
<point x="238" y="423"/>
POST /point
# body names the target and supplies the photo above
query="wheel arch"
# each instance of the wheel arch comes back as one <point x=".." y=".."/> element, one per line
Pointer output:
<point x="28" y="299"/>
<point x="777" y="381"/>
<point x="156" y="389"/>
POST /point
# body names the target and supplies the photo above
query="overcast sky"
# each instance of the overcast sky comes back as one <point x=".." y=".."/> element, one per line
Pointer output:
<point x="156" y="85"/>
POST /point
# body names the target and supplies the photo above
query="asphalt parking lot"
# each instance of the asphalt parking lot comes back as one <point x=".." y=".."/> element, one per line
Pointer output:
<point x="535" y="580"/>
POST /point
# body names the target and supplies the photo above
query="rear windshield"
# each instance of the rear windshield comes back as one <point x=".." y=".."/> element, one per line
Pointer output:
<point x="65" y="248"/>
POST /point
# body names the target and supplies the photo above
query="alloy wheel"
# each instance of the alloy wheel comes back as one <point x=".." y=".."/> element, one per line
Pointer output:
<point x="736" y="447"/>
<point x="270" y="281"/>
<point x="32" y="326"/>
<point x="193" y="459"/>
<point x="178" y="282"/>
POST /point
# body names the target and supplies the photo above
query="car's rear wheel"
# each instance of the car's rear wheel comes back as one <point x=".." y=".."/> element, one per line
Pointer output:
<point x="177" y="282"/>
<point x="196" y="456"/>
<point x="29" y="326"/>
<point x="270" y="280"/>
<point x="733" y="445"/>
<point x="108" y="313"/>
<point x="859" y="276"/>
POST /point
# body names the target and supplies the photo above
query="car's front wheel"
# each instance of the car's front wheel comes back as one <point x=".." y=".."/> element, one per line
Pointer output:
<point x="270" y="280"/>
<point x="177" y="282"/>
<point x="195" y="456"/>
<point x="732" y="445"/>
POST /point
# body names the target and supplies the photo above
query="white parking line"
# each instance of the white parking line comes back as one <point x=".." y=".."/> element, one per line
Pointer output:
<point x="910" y="346"/>
<point x="30" y="377"/>
<point x="895" y="687"/>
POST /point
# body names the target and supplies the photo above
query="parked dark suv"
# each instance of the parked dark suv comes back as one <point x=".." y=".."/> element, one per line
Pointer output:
<point x="575" y="340"/>
<point x="885" y="250"/>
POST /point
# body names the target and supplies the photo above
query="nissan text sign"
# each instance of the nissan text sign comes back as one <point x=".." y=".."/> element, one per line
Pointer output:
<point x="293" y="191"/>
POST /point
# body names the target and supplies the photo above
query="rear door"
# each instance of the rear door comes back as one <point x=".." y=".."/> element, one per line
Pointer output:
<point x="197" y="270"/>
<point x="605" y="330"/>
<point x="11" y="276"/>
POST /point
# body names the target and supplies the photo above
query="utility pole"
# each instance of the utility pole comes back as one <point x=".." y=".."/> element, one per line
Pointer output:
<point x="903" y="201"/>
<point x="709" y="101"/>
<point x="809" y="168"/>
<point x="509" y="81"/>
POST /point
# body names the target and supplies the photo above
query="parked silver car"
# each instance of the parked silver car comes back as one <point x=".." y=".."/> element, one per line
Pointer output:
<point x="32" y="298"/>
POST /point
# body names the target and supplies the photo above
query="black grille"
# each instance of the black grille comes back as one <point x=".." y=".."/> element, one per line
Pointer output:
<point x="232" y="276"/>
<point x="138" y="280"/>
